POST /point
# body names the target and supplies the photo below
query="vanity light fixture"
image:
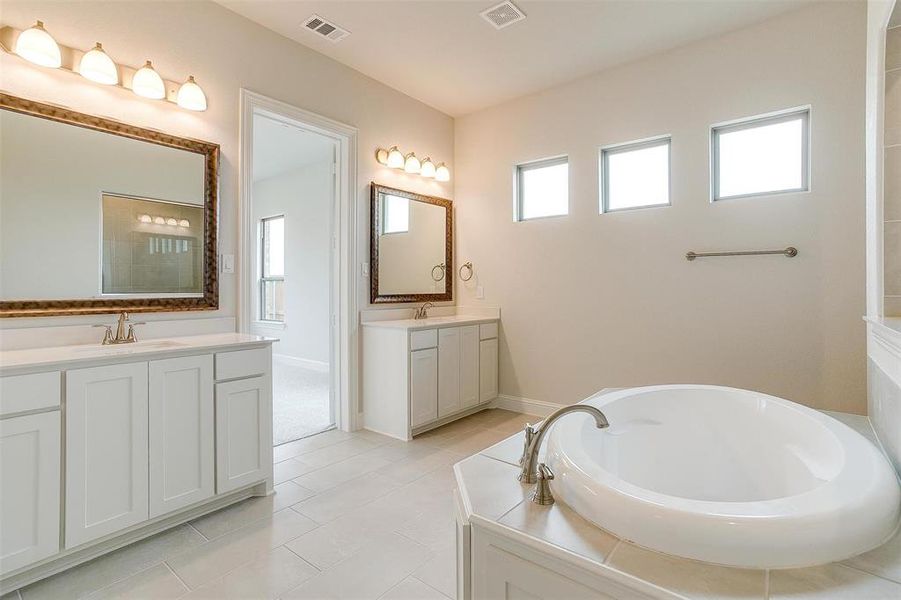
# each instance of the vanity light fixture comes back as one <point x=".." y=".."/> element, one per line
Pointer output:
<point x="159" y="220"/>
<point x="411" y="163"/>
<point x="442" y="173"/>
<point x="145" y="219"/>
<point x="395" y="159"/>
<point x="97" y="66"/>
<point x="172" y="221"/>
<point x="184" y="223"/>
<point x="37" y="46"/>
<point x="428" y="167"/>
<point x="191" y="96"/>
<point x="148" y="83"/>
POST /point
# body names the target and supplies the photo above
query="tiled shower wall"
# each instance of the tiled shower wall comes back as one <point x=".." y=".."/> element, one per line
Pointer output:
<point x="892" y="211"/>
<point x="885" y="411"/>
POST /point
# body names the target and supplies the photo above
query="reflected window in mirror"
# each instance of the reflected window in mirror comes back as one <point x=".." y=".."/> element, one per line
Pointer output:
<point x="395" y="214"/>
<point x="272" y="272"/>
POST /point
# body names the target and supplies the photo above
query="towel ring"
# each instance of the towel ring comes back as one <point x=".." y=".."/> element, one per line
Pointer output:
<point x="441" y="269"/>
<point x="466" y="265"/>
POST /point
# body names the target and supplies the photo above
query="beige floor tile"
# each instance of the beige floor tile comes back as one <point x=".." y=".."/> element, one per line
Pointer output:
<point x="884" y="561"/>
<point x="440" y="571"/>
<point x="434" y="526"/>
<point x="476" y="441"/>
<point x="336" y="453"/>
<point x="79" y="581"/>
<point x="508" y="450"/>
<point x="374" y="438"/>
<point x="369" y="573"/>
<point x="412" y="468"/>
<point x="338" y="540"/>
<point x="398" y="451"/>
<point x="157" y="583"/>
<point x="835" y="582"/>
<point x="693" y="579"/>
<point x="289" y="469"/>
<point x="247" y="511"/>
<point x="413" y="589"/>
<point x="269" y="576"/>
<point x="299" y="447"/>
<point x="341" y="472"/>
<point x="228" y="552"/>
<point x="339" y="500"/>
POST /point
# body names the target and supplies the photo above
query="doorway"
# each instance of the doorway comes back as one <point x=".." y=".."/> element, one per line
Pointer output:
<point x="295" y="220"/>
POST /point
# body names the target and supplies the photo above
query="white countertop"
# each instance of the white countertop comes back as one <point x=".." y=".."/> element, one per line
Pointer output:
<point x="431" y="322"/>
<point x="67" y="356"/>
<point x="493" y="498"/>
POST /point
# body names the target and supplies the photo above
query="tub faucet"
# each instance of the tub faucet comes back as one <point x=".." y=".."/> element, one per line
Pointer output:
<point x="534" y="437"/>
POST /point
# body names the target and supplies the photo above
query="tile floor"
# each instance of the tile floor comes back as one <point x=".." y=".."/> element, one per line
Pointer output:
<point x="355" y="515"/>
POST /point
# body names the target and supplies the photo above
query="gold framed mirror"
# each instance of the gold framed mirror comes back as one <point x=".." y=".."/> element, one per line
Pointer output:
<point x="411" y="247"/>
<point x="98" y="216"/>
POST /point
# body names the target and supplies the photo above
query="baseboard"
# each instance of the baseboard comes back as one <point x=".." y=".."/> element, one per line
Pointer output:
<point x="306" y="363"/>
<point x="539" y="408"/>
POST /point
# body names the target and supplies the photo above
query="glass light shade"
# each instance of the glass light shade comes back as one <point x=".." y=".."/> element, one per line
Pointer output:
<point x="97" y="66"/>
<point x="171" y="221"/>
<point x="37" y="46"/>
<point x="442" y="173"/>
<point x="145" y="219"/>
<point x="395" y="158"/>
<point x="184" y="223"/>
<point x="412" y="164"/>
<point x="381" y="155"/>
<point x="159" y="220"/>
<point x="428" y="168"/>
<point x="191" y="96"/>
<point x="148" y="83"/>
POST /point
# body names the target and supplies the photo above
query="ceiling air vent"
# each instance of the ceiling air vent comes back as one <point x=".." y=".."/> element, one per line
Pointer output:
<point x="326" y="29"/>
<point x="503" y="15"/>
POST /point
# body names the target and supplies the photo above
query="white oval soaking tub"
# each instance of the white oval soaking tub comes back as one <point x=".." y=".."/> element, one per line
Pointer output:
<point x="726" y="476"/>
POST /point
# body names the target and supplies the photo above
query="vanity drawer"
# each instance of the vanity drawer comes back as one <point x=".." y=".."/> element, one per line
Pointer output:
<point x="20" y="393"/>
<point x="487" y="331"/>
<point x="242" y="363"/>
<point x="426" y="338"/>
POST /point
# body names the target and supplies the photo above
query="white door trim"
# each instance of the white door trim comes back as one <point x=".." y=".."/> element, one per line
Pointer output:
<point x="344" y="329"/>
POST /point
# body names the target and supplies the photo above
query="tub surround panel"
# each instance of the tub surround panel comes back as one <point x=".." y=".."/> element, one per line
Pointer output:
<point x="885" y="411"/>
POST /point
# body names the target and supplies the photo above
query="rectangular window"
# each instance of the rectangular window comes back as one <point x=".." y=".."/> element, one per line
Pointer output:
<point x="272" y="269"/>
<point x="635" y="175"/>
<point x="395" y="214"/>
<point x="767" y="155"/>
<point x="542" y="189"/>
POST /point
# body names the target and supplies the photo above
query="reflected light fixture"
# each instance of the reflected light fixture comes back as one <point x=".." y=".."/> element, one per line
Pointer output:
<point x="184" y="223"/>
<point x="171" y="221"/>
<point x="191" y="96"/>
<point x="412" y="164"/>
<point x="145" y="219"/>
<point x="148" y="83"/>
<point x="159" y="220"/>
<point x="37" y="46"/>
<point x="97" y="66"/>
<point x="442" y="173"/>
<point x="428" y="168"/>
<point x="395" y="158"/>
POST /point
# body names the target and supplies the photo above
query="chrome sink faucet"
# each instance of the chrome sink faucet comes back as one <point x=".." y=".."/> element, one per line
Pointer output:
<point x="423" y="311"/>
<point x="534" y="437"/>
<point x="123" y="336"/>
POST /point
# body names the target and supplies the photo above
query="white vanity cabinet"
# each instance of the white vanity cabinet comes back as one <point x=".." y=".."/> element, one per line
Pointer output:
<point x="421" y="374"/>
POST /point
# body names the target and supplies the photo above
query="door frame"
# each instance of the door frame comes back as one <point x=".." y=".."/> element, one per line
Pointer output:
<point x="343" y="328"/>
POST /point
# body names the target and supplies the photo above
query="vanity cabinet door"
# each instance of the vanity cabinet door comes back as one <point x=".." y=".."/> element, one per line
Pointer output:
<point x="469" y="366"/>
<point x="106" y="451"/>
<point x="182" y="465"/>
<point x="449" y="349"/>
<point x="29" y="478"/>
<point x="423" y="386"/>
<point x="243" y="433"/>
<point x="487" y="370"/>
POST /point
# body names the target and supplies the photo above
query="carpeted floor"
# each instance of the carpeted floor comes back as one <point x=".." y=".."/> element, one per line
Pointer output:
<point x="300" y="401"/>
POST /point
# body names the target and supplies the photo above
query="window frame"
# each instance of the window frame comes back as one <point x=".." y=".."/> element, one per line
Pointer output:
<point x="264" y="279"/>
<point x="604" y="170"/>
<point x="520" y="168"/>
<point x="752" y="123"/>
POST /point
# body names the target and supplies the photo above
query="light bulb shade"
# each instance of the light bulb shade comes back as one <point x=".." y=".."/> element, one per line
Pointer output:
<point x="412" y="164"/>
<point x="145" y="219"/>
<point x="184" y="223"/>
<point x="395" y="158"/>
<point x="191" y="96"/>
<point x="148" y="83"/>
<point x="159" y="220"/>
<point x="442" y="173"/>
<point x="171" y="221"/>
<point x="428" y="168"/>
<point x="37" y="46"/>
<point x="97" y="66"/>
<point x="381" y="155"/>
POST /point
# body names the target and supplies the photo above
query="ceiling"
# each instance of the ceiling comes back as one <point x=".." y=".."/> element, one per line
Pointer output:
<point x="444" y="54"/>
<point x="279" y="148"/>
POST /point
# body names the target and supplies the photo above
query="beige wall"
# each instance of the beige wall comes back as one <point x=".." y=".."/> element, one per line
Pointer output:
<point x="590" y="301"/>
<point x="892" y="189"/>
<point x="224" y="52"/>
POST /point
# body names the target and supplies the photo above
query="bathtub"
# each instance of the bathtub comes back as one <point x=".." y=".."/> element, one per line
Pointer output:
<point x="725" y="476"/>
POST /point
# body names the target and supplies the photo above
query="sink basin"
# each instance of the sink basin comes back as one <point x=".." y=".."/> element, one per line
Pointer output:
<point x="726" y="476"/>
